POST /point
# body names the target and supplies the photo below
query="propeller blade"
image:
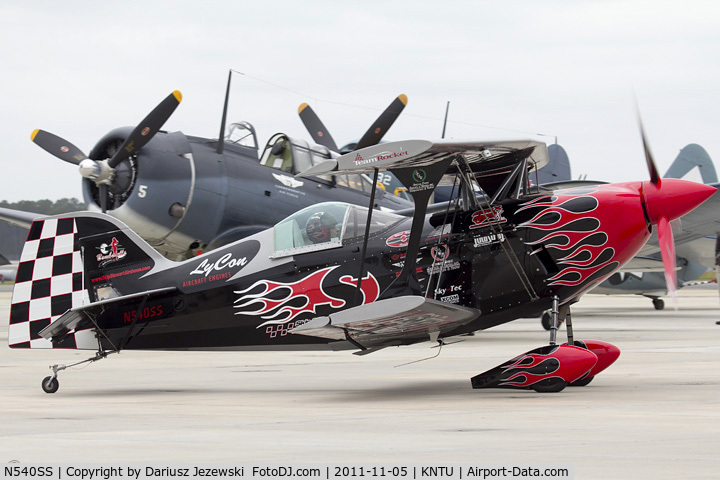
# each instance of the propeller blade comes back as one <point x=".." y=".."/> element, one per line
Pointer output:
<point x="654" y="175"/>
<point x="378" y="129"/>
<point x="57" y="146"/>
<point x="667" y="250"/>
<point x="147" y="128"/>
<point x="103" y="196"/>
<point x="315" y="127"/>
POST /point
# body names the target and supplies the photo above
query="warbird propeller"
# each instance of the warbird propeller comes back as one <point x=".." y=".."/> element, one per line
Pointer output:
<point x="339" y="276"/>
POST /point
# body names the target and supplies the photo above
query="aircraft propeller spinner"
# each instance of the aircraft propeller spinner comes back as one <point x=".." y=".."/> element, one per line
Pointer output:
<point x="104" y="172"/>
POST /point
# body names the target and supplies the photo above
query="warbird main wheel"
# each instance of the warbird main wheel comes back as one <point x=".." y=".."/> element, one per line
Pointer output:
<point x="50" y="384"/>
<point x="658" y="303"/>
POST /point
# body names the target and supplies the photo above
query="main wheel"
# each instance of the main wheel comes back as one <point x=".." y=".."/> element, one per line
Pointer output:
<point x="582" y="382"/>
<point x="549" y="385"/>
<point x="50" y="384"/>
<point x="658" y="303"/>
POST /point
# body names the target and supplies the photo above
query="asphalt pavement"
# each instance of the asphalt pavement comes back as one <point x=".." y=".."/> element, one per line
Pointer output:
<point x="654" y="414"/>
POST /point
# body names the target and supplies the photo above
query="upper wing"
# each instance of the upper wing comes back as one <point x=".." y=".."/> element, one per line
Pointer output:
<point x="394" y="321"/>
<point x="483" y="157"/>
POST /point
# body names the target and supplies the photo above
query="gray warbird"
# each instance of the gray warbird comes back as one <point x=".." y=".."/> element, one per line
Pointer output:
<point x="184" y="194"/>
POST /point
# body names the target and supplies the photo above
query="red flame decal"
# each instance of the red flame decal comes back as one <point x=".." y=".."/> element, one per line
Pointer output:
<point x="564" y="216"/>
<point x="309" y="290"/>
<point x="524" y="378"/>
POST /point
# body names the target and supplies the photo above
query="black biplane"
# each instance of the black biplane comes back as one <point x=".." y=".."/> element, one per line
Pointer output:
<point x="339" y="276"/>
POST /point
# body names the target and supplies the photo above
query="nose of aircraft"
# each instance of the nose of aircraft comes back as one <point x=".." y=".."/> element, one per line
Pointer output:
<point x="672" y="198"/>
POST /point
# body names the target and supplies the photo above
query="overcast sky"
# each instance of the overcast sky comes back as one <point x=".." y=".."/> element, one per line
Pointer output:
<point x="564" y="69"/>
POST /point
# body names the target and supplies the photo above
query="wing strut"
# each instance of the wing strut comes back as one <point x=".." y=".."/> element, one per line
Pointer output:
<point x="518" y="176"/>
<point x="421" y="183"/>
<point x="358" y="292"/>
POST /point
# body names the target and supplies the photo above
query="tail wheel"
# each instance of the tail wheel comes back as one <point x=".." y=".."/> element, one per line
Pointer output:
<point x="50" y="384"/>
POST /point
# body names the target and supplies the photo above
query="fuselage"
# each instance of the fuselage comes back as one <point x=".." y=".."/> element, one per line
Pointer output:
<point x="506" y="261"/>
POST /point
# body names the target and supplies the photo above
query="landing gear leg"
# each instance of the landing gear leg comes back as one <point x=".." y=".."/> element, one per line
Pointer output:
<point x="546" y="320"/>
<point x="581" y="382"/>
<point x="51" y="384"/>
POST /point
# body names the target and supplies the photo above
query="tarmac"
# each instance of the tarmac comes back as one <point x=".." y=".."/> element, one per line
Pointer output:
<point x="654" y="414"/>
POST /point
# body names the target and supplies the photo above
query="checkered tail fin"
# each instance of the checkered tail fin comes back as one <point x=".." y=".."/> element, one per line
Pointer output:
<point x="66" y="261"/>
<point x="49" y="281"/>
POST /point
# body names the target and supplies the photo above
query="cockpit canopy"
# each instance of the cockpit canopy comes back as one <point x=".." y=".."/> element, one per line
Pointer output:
<point x="293" y="155"/>
<point x="242" y="134"/>
<point x="326" y="225"/>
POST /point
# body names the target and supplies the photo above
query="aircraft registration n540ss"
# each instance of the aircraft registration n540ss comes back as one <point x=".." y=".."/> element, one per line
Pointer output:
<point x="339" y="276"/>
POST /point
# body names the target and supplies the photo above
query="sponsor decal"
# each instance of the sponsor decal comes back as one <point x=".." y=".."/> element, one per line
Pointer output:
<point x="492" y="216"/>
<point x="450" y="289"/>
<point x="455" y="298"/>
<point x="288" y="181"/>
<point x="207" y="267"/>
<point x="110" y="276"/>
<point x="440" y="252"/>
<point x="110" y="253"/>
<point x="419" y="175"/>
<point x="281" y="303"/>
<point x="359" y="160"/>
<point x="222" y="266"/>
<point x="207" y="279"/>
<point x="398" y="240"/>
<point x="443" y="267"/>
<point x="482" y="240"/>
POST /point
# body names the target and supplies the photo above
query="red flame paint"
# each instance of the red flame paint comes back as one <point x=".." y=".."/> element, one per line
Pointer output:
<point x="310" y="290"/>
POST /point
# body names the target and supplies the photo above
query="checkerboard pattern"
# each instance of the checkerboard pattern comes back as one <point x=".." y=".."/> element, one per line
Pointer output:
<point x="49" y="281"/>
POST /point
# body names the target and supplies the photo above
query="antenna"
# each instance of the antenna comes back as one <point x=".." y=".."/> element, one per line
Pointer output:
<point x="447" y="109"/>
<point x="221" y="137"/>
